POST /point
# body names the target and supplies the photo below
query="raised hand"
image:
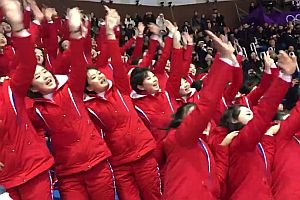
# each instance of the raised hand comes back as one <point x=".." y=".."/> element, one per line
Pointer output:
<point x="176" y="40"/>
<point x="187" y="38"/>
<point x="288" y="64"/>
<point x="170" y="26"/>
<point x="268" y="61"/>
<point x="112" y="19"/>
<point x="74" y="16"/>
<point x="48" y="12"/>
<point x="38" y="14"/>
<point x="225" y="49"/>
<point x="273" y="130"/>
<point x="13" y="13"/>
<point x="229" y="137"/>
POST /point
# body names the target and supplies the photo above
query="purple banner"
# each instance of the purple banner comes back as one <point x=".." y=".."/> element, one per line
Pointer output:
<point x="259" y="17"/>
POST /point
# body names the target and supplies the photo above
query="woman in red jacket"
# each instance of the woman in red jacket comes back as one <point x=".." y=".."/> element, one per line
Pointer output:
<point x="79" y="151"/>
<point x="131" y="143"/>
<point x="249" y="169"/>
<point x="25" y="159"/>
<point x="191" y="171"/>
<point x="286" y="162"/>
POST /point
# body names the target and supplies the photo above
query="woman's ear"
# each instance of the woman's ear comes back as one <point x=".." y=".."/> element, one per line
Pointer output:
<point x="140" y="87"/>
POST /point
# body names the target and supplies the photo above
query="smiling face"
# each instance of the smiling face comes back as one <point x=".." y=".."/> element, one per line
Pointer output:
<point x="185" y="88"/>
<point x="43" y="81"/>
<point x="245" y="115"/>
<point x="97" y="81"/>
<point x="150" y="84"/>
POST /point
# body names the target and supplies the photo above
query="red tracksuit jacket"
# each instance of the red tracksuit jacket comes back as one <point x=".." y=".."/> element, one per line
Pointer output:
<point x="8" y="61"/>
<point x="125" y="134"/>
<point x="156" y="110"/>
<point x="191" y="171"/>
<point x="23" y="153"/>
<point x="77" y="145"/>
<point x="249" y="176"/>
<point x="286" y="163"/>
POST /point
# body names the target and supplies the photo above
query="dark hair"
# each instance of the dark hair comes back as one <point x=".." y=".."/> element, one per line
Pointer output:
<point x="44" y="55"/>
<point x="231" y="114"/>
<point x="35" y="95"/>
<point x="197" y="84"/>
<point x="86" y="91"/>
<point x="137" y="77"/>
<point x="179" y="115"/>
<point x="280" y="115"/>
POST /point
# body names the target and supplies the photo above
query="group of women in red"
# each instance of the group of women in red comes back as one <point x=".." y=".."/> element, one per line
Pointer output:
<point x="138" y="130"/>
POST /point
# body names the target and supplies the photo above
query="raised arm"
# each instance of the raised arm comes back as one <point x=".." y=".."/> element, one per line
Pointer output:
<point x="50" y="42"/>
<point x="153" y="44"/>
<point x="191" y="128"/>
<point x="127" y="45"/>
<point x="174" y="81"/>
<point x="22" y="78"/>
<point x="251" y="134"/>
<point x="77" y="75"/>
<point x="138" y="49"/>
<point x="291" y="125"/>
<point x="188" y="54"/>
<point x="120" y="76"/>
<point x="162" y="61"/>
<point x="35" y="26"/>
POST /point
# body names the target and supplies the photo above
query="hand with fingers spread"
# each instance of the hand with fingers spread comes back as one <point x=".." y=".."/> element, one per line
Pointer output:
<point x="154" y="28"/>
<point x="1" y="166"/>
<point x="13" y="13"/>
<point x="225" y="49"/>
<point x="229" y="137"/>
<point x="288" y="64"/>
<point x="273" y="130"/>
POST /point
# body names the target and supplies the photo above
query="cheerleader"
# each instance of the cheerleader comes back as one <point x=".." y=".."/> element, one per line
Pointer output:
<point x="286" y="160"/>
<point x="184" y="148"/>
<point x="131" y="143"/>
<point x="249" y="169"/>
<point x="25" y="159"/>
<point x="79" y="151"/>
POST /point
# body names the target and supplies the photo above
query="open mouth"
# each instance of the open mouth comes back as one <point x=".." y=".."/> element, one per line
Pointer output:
<point x="49" y="82"/>
<point x="102" y="81"/>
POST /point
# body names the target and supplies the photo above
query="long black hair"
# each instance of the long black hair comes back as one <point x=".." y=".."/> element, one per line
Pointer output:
<point x="231" y="115"/>
<point x="180" y="115"/>
<point x="137" y="77"/>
